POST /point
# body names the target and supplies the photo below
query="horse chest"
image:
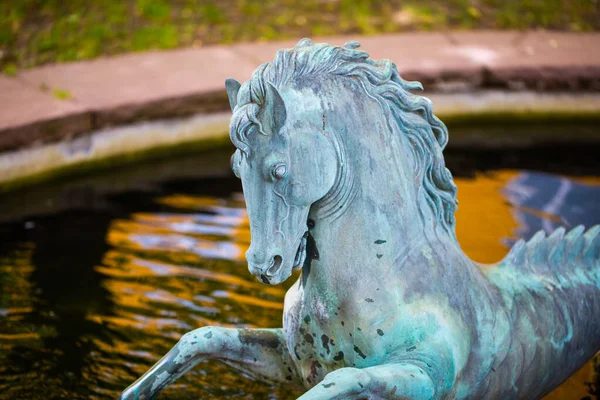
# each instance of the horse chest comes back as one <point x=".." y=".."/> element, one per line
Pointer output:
<point x="315" y="349"/>
<point x="321" y="338"/>
<point x="311" y="342"/>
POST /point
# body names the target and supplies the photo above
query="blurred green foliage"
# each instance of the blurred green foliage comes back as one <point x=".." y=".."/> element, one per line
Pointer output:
<point x="62" y="94"/>
<point x="34" y="32"/>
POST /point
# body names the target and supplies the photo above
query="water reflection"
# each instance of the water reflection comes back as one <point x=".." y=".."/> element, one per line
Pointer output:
<point x="544" y="201"/>
<point x="90" y="299"/>
<point x="183" y="268"/>
<point x="56" y="287"/>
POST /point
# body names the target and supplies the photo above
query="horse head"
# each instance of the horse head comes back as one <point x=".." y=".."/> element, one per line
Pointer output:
<point x="285" y="166"/>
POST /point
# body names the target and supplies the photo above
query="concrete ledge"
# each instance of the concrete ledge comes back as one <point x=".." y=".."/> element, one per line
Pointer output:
<point x="110" y="147"/>
<point x="162" y="108"/>
<point x="29" y="116"/>
<point x="172" y="84"/>
<point x="517" y="104"/>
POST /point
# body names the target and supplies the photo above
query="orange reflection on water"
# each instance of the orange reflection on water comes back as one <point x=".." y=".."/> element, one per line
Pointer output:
<point x="219" y="230"/>
<point x="252" y="301"/>
<point x="484" y="217"/>
<point x="171" y="272"/>
<point x="19" y="336"/>
<point x="188" y="202"/>
<point x="16" y="270"/>
<point x="121" y="265"/>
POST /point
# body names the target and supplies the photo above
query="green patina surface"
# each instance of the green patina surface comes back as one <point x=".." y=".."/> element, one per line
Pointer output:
<point x="34" y="32"/>
<point x="344" y="179"/>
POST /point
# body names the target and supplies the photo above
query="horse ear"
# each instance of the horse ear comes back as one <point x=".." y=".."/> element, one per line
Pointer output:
<point x="275" y="108"/>
<point x="232" y="86"/>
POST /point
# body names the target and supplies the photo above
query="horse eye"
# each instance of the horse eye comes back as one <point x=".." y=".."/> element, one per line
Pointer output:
<point x="279" y="171"/>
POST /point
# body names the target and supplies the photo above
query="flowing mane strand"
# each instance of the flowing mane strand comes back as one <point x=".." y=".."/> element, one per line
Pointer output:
<point x="413" y="114"/>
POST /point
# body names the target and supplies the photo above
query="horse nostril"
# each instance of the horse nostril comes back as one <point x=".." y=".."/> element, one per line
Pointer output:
<point x="275" y="265"/>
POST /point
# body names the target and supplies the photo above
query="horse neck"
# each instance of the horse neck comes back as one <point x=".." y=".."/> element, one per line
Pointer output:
<point x="375" y="203"/>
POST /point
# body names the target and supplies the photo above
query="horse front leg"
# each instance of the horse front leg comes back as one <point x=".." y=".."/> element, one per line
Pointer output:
<point x="389" y="382"/>
<point x="259" y="352"/>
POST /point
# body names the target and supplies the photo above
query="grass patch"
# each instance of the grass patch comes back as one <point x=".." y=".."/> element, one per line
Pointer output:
<point x="10" y="69"/>
<point x="35" y="32"/>
<point x="62" y="94"/>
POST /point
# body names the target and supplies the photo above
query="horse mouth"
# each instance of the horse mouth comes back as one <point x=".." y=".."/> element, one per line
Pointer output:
<point x="301" y="252"/>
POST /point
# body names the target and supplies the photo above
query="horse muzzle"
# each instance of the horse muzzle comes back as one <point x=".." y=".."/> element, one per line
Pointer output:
<point x="276" y="268"/>
<point x="265" y="268"/>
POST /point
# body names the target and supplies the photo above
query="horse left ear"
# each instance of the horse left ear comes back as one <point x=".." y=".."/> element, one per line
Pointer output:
<point x="232" y="86"/>
<point x="273" y="109"/>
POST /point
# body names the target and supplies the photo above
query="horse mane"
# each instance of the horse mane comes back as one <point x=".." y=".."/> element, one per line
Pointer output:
<point x="380" y="79"/>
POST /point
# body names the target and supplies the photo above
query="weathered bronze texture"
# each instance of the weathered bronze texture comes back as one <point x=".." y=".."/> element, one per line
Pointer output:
<point x="344" y="178"/>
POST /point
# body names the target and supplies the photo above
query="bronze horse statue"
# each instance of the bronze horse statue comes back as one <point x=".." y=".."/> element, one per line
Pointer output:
<point x="344" y="178"/>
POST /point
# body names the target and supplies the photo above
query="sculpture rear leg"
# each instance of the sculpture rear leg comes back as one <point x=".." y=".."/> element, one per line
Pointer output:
<point x="388" y="381"/>
<point x="259" y="352"/>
